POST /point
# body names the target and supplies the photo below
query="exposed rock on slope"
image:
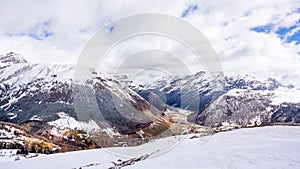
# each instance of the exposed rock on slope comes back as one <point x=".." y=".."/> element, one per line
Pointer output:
<point x="41" y="91"/>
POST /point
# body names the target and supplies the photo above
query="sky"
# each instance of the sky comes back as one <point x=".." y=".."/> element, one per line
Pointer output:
<point x="258" y="37"/>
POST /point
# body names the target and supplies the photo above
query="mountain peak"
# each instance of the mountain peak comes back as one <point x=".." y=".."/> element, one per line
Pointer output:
<point x="13" y="58"/>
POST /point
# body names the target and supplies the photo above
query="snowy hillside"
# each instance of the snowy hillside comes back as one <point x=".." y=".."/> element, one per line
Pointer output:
<point x="48" y="99"/>
<point x="275" y="147"/>
<point x="242" y="100"/>
<point x="33" y="91"/>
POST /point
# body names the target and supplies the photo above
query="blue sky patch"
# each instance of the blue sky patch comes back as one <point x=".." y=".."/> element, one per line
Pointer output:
<point x="283" y="31"/>
<point x="295" y="37"/>
<point x="189" y="10"/>
<point x="40" y="31"/>
<point x="43" y="35"/>
<point x="265" y="28"/>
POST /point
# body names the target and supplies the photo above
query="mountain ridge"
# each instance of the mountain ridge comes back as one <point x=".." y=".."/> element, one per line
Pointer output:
<point x="32" y="91"/>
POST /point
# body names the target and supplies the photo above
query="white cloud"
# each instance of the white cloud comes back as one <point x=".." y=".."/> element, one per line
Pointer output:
<point x="225" y="23"/>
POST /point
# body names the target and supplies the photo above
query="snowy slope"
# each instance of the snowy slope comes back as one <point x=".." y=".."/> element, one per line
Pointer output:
<point x="260" y="148"/>
<point x="201" y="87"/>
<point x="275" y="147"/>
<point x="244" y="107"/>
<point x="33" y="91"/>
<point x="242" y="101"/>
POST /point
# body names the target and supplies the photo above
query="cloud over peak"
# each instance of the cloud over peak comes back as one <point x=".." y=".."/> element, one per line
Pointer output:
<point x="251" y="37"/>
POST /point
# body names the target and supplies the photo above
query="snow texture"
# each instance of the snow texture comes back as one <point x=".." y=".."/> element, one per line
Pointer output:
<point x="275" y="147"/>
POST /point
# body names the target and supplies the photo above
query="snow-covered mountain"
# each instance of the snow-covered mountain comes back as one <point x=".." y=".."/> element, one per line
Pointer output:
<point x="242" y="100"/>
<point x="33" y="91"/>
<point x="11" y="58"/>
<point x="48" y="93"/>
<point x="242" y="107"/>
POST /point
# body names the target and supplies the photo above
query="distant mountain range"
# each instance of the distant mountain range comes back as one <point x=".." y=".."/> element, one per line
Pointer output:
<point x="242" y="101"/>
<point x="48" y="92"/>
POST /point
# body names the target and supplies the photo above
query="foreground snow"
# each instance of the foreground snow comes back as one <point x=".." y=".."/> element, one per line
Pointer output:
<point x="274" y="147"/>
